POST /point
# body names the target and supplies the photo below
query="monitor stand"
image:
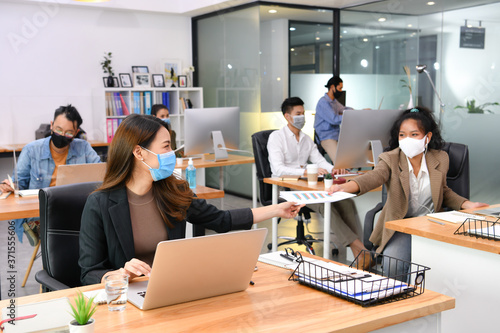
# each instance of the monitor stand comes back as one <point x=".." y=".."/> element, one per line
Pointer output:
<point x="220" y="151"/>
<point x="377" y="149"/>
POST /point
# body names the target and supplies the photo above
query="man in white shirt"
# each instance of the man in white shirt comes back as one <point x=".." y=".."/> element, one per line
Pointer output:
<point x="290" y="149"/>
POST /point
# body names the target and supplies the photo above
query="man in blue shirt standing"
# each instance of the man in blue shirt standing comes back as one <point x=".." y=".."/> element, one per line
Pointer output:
<point x="329" y="116"/>
<point x="38" y="162"/>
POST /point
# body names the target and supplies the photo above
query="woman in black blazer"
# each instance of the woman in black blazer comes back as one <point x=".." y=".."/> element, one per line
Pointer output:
<point x="141" y="203"/>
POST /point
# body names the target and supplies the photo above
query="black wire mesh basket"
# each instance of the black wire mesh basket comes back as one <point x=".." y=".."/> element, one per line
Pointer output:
<point x="361" y="282"/>
<point x="480" y="229"/>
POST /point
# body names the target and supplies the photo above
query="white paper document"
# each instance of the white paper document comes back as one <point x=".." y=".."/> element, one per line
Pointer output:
<point x="490" y="232"/>
<point x="455" y="216"/>
<point x="310" y="197"/>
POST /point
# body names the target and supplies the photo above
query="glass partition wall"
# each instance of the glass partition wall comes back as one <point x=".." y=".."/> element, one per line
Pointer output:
<point x="256" y="55"/>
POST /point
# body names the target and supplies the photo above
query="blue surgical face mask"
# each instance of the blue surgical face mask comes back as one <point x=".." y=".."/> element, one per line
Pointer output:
<point x="166" y="165"/>
<point x="167" y="120"/>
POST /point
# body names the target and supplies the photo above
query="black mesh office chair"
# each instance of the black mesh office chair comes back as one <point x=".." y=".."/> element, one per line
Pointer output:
<point x="457" y="179"/>
<point x="322" y="151"/>
<point x="61" y="210"/>
<point x="259" y="143"/>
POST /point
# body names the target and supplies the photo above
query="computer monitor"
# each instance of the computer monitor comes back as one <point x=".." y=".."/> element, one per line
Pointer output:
<point x="363" y="135"/>
<point x="211" y="130"/>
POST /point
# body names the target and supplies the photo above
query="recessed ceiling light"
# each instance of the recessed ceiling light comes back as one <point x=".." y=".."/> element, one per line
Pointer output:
<point x="317" y="38"/>
<point x="364" y="63"/>
<point x="292" y="29"/>
<point x="410" y="25"/>
<point x="345" y="31"/>
<point x="272" y="11"/>
<point x="377" y="47"/>
<point x="431" y="3"/>
<point x="365" y="40"/>
<point x="382" y="19"/>
<point x="328" y="44"/>
<point x="292" y="49"/>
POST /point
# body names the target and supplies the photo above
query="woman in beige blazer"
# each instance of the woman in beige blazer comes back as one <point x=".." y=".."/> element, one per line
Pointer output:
<point x="414" y="173"/>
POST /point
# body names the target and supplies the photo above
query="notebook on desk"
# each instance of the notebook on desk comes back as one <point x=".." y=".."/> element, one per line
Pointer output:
<point x="80" y="173"/>
<point x="194" y="268"/>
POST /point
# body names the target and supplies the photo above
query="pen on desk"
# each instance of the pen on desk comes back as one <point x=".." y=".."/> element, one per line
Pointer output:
<point x="438" y="222"/>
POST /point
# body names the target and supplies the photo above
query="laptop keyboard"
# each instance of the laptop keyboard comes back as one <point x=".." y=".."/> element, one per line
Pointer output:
<point x="142" y="293"/>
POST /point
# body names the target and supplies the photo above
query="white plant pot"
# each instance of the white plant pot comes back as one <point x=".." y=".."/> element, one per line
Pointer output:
<point x="75" y="328"/>
<point x="328" y="183"/>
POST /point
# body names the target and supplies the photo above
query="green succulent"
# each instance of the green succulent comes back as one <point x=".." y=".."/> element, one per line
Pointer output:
<point x="83" y="309"/>
<point x="106" y="64"/>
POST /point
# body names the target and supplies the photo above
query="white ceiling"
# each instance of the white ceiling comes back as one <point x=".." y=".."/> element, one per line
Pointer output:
<point x="200" y="7"/>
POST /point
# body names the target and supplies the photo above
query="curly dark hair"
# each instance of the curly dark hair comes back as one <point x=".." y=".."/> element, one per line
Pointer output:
<point x="426" y="123"/>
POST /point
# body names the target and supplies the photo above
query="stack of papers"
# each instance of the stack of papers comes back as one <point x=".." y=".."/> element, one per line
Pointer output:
<point x="310" y="197"/>
<point x="455" y="216"/>
<point x="349" y="282"/>
<point x="489" y="232"/>
<point x="26" y="193"/>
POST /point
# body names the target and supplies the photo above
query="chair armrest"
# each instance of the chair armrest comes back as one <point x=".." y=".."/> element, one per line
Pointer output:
<point x="369" y="223"/>
<point x="49" y="282"/>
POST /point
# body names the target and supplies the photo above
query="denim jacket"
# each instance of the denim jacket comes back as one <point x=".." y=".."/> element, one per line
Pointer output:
<point x="36" y="166"/>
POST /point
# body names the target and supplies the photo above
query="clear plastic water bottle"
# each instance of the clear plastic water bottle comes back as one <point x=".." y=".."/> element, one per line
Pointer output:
<point x="191" y="174"/>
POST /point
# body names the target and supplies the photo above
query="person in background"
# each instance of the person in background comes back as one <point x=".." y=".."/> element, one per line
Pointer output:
<point x="141" y="203"/>
<point x="38" y="161"/>
<point x="289" y="151"/>
<point x="328" y="117"/>
<point x="414" y="173"/>
<point x="161" y="111"/>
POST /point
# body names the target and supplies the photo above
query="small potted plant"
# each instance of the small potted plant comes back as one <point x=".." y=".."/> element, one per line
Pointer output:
<point x="82" y="311"/>
<point x="328" y="180"/>
<point x="106" y="67"/>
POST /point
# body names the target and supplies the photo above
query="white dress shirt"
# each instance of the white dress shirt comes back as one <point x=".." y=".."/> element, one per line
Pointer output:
<point x="289" y="157"/>
<point x="420" y="191"/>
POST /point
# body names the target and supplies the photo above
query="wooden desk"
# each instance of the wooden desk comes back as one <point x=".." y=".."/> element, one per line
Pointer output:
<point x="273" y="304"/>
<point x="464" y="267"/>
<point x="24" y="207"/>
<point x="207" y="161"/>
<point x="301" y="185"/>
<point x="19" y="146"/>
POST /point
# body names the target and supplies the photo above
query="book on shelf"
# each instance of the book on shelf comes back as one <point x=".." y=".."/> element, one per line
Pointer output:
<point x="118" y="105"/>
<point x="136" y="102"/>
<point x="165" y="99"/>
<point x="109" y="129"/>
<point x="148" y="102"/>
<point x="124" y="106"/>
<point x="141" y="102"/>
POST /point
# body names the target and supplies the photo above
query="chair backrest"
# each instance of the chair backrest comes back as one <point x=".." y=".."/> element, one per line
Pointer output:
<point x="259" y="143"/>
<point x="318" y="143"/>
<point x="458" y="174"/>
<point x="61" y="210"/>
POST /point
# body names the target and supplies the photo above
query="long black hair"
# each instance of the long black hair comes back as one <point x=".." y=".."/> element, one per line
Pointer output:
<point x="425" y="122"/>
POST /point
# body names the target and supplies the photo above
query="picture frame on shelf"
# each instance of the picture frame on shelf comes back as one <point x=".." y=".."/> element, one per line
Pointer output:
<point x="142" y="80"/>
<point x="182" y="81"/>
<point x="140" y="69"/>
<point x="171" y="68"/>
<point x="158" y="80"/>
<point x="116" y="84"/>
<point x="126" y="80"/>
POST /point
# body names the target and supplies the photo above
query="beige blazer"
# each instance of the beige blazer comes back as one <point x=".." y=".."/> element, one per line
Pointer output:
<point x="393" y="171"/>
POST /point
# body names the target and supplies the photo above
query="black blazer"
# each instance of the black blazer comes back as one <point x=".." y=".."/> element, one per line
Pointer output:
<point x="106" y="239"/>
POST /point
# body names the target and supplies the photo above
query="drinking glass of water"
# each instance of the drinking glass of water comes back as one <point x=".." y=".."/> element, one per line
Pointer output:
<point x="116" y="291"/>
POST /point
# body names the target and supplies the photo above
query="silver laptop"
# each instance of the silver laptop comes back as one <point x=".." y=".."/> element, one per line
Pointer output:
<point x="80" y="173"/>
<point x="200" y="267"/>
<point x="495" y="212"/>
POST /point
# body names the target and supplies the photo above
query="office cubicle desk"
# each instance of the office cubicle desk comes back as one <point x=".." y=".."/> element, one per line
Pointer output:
<point x="463" y="267"/>
<point x="301" y="185"/>
<point x="273" y="304"/>
<point x="207" y="161"/>
<point x="24" y="207"/>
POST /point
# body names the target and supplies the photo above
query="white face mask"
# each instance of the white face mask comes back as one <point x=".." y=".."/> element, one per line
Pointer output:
<point x="299" y="121"/>
<point x="412" y="147"/>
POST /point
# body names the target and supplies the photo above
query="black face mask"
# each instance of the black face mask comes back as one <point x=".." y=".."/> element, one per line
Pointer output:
<point x="60" y="141"/>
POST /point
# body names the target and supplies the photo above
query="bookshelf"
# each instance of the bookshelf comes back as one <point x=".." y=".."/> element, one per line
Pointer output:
<point x="120" y="102"/>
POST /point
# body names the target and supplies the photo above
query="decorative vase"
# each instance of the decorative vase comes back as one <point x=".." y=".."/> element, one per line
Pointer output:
<point x="74" y="327"/>
<point x="410" y="103"/>
<point x="111" y="82"/>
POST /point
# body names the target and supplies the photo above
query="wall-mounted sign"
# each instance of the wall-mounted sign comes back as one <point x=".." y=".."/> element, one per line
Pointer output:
<point x="472" y="37"/>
